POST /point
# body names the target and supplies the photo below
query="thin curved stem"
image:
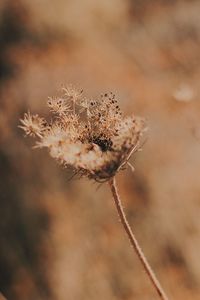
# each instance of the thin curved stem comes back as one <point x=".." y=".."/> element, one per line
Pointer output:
<point x="134" y="241"/>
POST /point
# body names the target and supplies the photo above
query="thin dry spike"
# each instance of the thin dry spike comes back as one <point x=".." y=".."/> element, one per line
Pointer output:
<point x="134" y="241"/>
<point x="131" y="167"/>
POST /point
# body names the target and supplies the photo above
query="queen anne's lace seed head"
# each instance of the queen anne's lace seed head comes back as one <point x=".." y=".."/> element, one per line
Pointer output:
<point x="95" y="143"/>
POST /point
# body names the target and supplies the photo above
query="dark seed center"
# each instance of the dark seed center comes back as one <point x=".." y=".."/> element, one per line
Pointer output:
<point x="104" y="144"/>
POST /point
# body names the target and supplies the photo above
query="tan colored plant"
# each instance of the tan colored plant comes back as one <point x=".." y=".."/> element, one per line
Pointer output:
<point x="95" y="140"/>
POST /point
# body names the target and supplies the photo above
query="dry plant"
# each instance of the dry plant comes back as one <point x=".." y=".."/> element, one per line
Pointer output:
<point x="95" y="140"/>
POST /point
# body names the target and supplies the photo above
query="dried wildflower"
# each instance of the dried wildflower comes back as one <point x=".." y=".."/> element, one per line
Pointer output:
<point x="95" y="144"/>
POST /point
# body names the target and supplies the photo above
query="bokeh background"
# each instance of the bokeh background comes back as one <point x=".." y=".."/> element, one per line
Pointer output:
<point x="62" y="239"/>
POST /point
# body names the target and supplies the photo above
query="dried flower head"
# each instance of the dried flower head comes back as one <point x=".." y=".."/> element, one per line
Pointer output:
<point x="90" y="136"/>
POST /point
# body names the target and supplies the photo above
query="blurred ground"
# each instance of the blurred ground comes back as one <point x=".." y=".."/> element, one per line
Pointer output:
<point x="61" y="239"/>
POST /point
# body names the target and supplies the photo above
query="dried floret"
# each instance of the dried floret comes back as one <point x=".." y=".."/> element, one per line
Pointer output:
<point x="73" y="94"/>
<point x="95" y="144"/>
<point x="59" y="106"/>
<point x="33" y="125"/>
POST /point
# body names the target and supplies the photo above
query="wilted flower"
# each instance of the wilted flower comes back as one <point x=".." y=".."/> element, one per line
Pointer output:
<point x="94" y="139"/>
<point x="90" y="136"/>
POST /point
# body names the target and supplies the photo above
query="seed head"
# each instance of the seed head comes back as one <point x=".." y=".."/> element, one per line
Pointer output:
<point x="95" y="142"/>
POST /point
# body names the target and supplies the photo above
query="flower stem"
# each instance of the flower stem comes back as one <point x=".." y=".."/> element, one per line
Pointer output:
<point x="134" y="241"/>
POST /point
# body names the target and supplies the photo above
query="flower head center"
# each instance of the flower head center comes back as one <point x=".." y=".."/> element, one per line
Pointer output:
<point x="103" y="143"/>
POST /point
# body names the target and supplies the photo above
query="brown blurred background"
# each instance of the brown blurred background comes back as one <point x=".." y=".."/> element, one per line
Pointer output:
<point x="62" y="239"/>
